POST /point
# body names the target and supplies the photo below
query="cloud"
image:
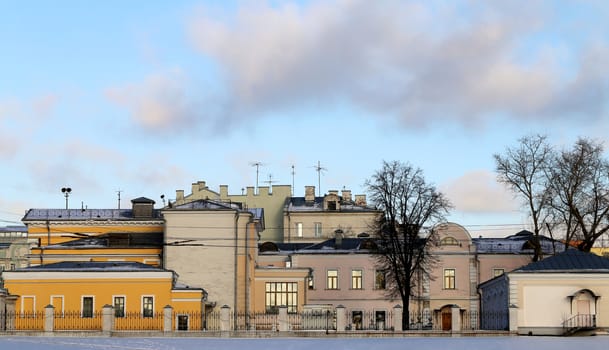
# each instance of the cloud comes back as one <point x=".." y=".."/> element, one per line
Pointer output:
<point x="479" y="192"/>
<point x="167" y="102"/>
<point x="417" y="61"/>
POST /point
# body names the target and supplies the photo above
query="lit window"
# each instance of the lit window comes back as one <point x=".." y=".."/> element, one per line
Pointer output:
<point x="332" y="277"/>
<point x="498" y="272"/>
<point x="449" y="241"/>
<point x="449" y="278"/>
<point x="281" y="294"/>
<point x="311" y="282"/>
<point x="147" y="306"/>
<point x="356" y="279"/>
<point x="299" y="229"/>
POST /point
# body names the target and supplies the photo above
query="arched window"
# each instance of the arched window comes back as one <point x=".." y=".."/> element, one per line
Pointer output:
<point x="449" y="241"/>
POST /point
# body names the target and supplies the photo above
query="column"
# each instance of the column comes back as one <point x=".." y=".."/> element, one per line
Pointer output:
<point x="225" y="318"/>
<point x="167" y="313"/>
<point x="49" y="318"/>
<point x="456" y="318"/>
<point x="282" y="319"/>
<point x="397" y="318"/>
<point x="341" y="319"/>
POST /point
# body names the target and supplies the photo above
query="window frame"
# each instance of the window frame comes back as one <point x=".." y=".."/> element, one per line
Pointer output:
<point x="317" y="229"/>
<point x="124" y="309"/>
<point x="497" y="271"/>
<point x="146" y="311"/>
<point x="332" y="281"/>
<point x="449" y="281"/>
<point x="357" y="281"/>
<point x="87" y="313"/>
<point x="377" y="283"/>
<point x="298" y="228"/>
<point x="277" y="294"/>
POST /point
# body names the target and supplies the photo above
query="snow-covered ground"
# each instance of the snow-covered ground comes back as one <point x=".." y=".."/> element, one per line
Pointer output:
<point x="464" y="343"/>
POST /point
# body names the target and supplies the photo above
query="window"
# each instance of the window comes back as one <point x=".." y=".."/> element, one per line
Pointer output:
<point x="182" y="322"/>
<point x="147" y="306"/>
<point x="449" y="241"/>
<point x="281" y="294"/>
<point x="356" y="279"/>
<point x="119" y="306"/>
<point x="299" y="229"/>
<point x="379" y="317"/>
<point x="449" y="278"/>
<point x="498" y="272"/>
<point x="317" y="229"/>
<point x="379" y="279"/>
<point x="311" y="282"/>
<point x="331" y="205"/>
<point x="87" y="307"/>
<point x="332" y="277"/>
<point x="57" y="302"/>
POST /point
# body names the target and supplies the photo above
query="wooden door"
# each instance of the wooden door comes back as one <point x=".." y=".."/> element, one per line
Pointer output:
<point x="447" y="321"/>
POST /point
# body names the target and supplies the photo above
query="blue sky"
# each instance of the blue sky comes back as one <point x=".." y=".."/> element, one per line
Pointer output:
<point x="151" y="96"/>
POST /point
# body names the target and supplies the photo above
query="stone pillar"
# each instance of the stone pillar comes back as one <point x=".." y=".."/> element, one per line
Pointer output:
<point x="107" y="318"/>
<point x="341" y="319"/>
<point x="11" y="311"/>
<point x="456" y="318"/>
<point x="49" y="318"/>
<point x="225" y="318"/>
<point x="513" y="318"/>
<point x="397" y="318"/>
<point x="282" y="319"/>
<point x="167" y="313"/>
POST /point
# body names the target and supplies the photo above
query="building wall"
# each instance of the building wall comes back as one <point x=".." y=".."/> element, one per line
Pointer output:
<point x="264" y="275"/>
<point x="351" y="223"/>
<point x="271" y="199"/>
<point x="41" y="256"/>
<point x="64" y="290"/>
<point x="213" y="254"/>
<point x="543" y="299"/>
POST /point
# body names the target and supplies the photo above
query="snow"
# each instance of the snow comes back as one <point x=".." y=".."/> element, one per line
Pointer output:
<point x="167" y="343"/>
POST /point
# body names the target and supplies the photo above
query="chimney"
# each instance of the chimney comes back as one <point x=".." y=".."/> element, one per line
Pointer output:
<point x="360" y="200"/>
<point x="179" y="196"/>
<point x="334" y="192"/>
<point x="309" y="194"/>
<point x="338" y="238"/>
<point x="142" y="208"/>
<point x="346" y="194"/>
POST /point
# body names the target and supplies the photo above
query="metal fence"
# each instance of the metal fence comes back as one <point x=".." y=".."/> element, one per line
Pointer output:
<point x="136" y="321"/>
<point x="74" y="320"/>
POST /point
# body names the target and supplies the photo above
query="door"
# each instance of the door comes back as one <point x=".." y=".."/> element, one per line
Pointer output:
<point x="447" y="318"/>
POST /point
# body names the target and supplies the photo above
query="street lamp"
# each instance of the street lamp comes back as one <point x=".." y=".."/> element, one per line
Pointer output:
<point x="66" y="192"/>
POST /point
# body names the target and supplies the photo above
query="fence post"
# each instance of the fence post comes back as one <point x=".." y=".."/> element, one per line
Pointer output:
<point x="456" y="318"/>
<point x="513" y="318"/>
<point x="107" y="318"/>
<point x="282" y="319"/>
<point x="225" y="318"/>
<point x="167" y="313"/>
<point x="397" y="318"/>
<point x="341" y="319"/>
<point x="11" y="311"/>
<point x="49" y="318"/>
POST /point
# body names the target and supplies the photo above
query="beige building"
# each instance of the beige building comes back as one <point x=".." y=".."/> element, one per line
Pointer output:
<point x="560" y="295"/>
<point x="272" y="199"/>
<point x="14" y="247"/>
<point x="214" y="244"/>
<point x="316" y="219"/>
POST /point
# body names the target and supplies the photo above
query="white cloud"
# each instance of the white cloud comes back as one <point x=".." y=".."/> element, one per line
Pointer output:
<point x="479" y="192"/>
<point x="415" y="61"/>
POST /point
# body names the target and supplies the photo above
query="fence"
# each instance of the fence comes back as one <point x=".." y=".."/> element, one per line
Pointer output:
<point x="224" y="319"/>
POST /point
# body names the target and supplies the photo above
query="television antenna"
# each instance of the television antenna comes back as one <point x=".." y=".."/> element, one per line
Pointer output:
<point x="293" y="173"/>
<point x="118" y="192"/>
<point x="270" y="182"/>
<point x="257" y="165"/>
<point x="319" y="170"/>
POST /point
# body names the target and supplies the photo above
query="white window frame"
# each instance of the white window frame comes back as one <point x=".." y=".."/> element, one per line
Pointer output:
<point x="124" y="305"/>
<point x="23" y="298"/>
<point x="298" y="229"/>
<point x="454" y="279"/>
<point x="317" y="229"/>
<point x="142" y="304"/>
<point x="335" y="285"/>
<point x="361" y="279"/>
<point x="82" y="305"/>
<point x="63" y="302"/>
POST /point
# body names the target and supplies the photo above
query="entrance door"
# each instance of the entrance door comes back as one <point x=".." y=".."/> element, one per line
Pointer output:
<point x="583" y="307"/>
<point x="447" y="318"/>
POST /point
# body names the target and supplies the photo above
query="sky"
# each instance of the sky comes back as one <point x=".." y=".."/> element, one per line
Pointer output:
<point x="147" y="97"/>
<point x="353" y="343"/>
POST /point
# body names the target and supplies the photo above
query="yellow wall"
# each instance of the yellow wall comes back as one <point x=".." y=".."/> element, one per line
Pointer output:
<point x="262" y="276"/>
<point x="69" y="289"/>
<point x="150" y="256"/>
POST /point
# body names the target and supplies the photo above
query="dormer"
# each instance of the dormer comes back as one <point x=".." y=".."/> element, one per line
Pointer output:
<point x="142" y="208"/>
<point x="332" y="201"/>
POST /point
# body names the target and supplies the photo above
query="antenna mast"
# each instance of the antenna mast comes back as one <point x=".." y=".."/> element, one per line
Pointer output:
<point x="270" y="181"/>
<point x="118" y="192"/>
<point x="257" y="165"/>
<point x="293" y="173"/>
<point x="319" y="169"/>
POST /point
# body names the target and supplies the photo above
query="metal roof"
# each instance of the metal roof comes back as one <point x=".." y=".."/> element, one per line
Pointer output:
<point x="71" y="266"/>
<point x="571" y="260"/>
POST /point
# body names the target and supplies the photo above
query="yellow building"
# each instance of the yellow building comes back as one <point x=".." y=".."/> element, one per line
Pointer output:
<point x="134" y="234"/>
<point x="132" y="288"/>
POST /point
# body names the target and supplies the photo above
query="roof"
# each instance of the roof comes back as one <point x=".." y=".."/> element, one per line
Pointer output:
<point x="516" y="244"/>
<point x="300" y="204"/>
<point x="13" y="229"/>
<point x="347" y="245"/>
<point x="105" y="266"/>
<point x="84" y="214"/>
<point x="571" y="260"/>
<point x="207" y="204"/>
<point x="115" y="240"/>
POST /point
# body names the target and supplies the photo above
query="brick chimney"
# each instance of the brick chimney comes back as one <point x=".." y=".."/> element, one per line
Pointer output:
<point x="346" y="194"/>
<point x="360" y="200"/>
<point x="309" y="194"/>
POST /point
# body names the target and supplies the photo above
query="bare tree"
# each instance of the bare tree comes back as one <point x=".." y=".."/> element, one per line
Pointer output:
<point x="408" y="204"/>
<point x="524" y="170"/>
<point x="580" y="193"/>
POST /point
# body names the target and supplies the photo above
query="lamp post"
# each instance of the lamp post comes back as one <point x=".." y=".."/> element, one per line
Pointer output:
<point x="66" y="192"/>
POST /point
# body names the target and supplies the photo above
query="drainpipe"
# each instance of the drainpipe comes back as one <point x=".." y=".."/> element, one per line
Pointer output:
<point x="236" y="242"/>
